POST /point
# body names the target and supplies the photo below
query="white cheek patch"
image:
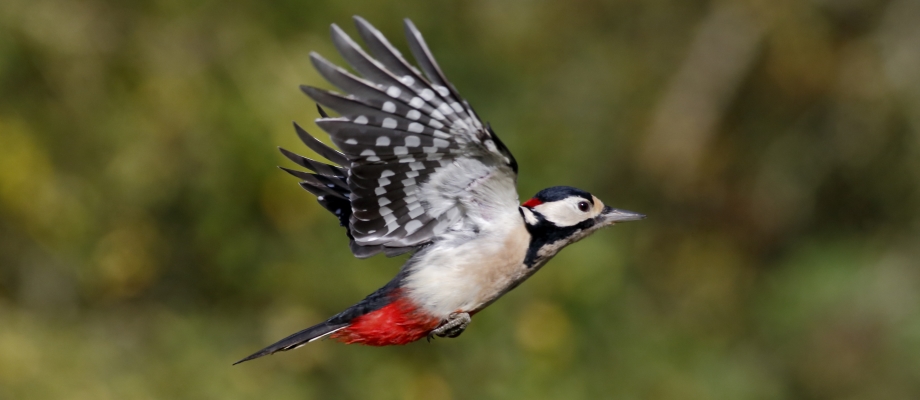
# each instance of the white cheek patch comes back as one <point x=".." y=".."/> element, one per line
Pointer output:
<point x="529" y="217"/>
<point x="565" y="212"/>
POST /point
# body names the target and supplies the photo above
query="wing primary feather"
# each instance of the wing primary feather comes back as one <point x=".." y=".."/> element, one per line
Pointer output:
<point x="383" y="51"/>
<point x="319" y="147"/>
<point x="315" y="181"/>
<point x="404" y="90"/>
<point x="361" y="62"/>
<point x="315" y="166"/>
<point x="322" y="113"/>
<point x="369" y="92"/>
<point x="396" y="69"/>
<point x="316" y="190"/>
<point x="346" y="81"/>
<point x="358" y="112"/>
<point x="351" y="108"/>
<point x="425" y="59"/>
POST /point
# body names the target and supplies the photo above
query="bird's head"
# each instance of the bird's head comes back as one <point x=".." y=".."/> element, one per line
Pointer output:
<point x="562" y="215"/>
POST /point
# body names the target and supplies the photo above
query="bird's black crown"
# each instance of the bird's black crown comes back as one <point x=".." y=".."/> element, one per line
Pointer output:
<point x="557" y="193"/>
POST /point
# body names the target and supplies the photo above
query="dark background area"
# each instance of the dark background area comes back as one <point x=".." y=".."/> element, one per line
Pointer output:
<point x="147" y="239"/>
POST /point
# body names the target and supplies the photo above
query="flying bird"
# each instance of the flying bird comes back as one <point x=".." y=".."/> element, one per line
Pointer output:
<point x="417" y="171"/>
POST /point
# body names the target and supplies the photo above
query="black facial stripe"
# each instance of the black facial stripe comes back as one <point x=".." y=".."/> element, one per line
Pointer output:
<point x="545" y="232"/>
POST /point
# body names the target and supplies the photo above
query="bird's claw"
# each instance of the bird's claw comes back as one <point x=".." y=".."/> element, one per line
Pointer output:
<point x="455" y="325"/>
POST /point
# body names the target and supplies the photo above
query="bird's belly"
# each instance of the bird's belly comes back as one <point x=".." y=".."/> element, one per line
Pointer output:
<point x="468" y="277"/>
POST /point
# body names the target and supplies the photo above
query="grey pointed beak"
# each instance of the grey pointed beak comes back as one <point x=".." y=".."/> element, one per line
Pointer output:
<point x="611" y="215"/>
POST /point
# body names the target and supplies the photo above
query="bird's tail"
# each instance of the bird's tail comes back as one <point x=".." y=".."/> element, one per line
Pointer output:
<point x="298" y="339"/>
<point x="384" y="318"/>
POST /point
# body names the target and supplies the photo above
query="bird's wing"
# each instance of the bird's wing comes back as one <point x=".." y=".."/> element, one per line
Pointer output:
<point x="416" y="160"/>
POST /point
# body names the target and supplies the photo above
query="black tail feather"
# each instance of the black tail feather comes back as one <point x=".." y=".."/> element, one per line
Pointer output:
<point x="296" y="340"/>
<point x="372" y="302"/>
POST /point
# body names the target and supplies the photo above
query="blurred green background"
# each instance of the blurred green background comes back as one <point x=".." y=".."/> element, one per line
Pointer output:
<point x="147" y="240"/>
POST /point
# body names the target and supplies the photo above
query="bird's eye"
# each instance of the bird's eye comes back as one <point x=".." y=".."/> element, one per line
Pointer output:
<point x="584" y="206"/>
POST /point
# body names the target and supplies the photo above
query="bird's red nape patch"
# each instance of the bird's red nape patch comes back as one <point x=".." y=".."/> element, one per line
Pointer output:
<point x="532" y="203"/>
<point x="399" y="322"/>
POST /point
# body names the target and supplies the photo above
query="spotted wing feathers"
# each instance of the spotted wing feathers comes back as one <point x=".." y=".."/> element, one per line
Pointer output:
<point x="396" y="129"/>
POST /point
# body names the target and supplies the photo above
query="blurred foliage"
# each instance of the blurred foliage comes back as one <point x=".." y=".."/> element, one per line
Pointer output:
<point x="147" y="240"/>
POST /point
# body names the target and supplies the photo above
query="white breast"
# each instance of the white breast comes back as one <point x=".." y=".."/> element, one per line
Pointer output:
<point x="468" y="271"/>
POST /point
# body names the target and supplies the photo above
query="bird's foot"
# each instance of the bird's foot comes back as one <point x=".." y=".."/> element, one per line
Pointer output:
<point x="455" y="325"/>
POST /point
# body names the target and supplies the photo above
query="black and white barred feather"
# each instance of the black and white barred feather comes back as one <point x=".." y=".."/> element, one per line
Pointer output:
<point x="396" y="130"/>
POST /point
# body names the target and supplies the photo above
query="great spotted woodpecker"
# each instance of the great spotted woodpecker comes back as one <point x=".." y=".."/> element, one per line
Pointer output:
<point x="419" y="172"/>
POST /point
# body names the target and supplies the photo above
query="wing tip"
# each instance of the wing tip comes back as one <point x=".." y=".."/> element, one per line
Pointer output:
<point x="304" y="136"/>
<point x="290" y="155"/>
<point x="319" y="62"/>
<point x="337" y="31"/>
<point x="321" y="111"/>
<point x="291" y="171"/>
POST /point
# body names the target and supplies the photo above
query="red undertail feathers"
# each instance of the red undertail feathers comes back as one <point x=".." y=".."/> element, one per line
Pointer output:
<point x="399" y="322"/>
